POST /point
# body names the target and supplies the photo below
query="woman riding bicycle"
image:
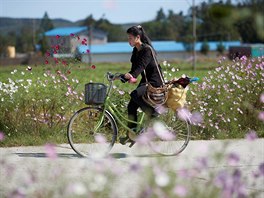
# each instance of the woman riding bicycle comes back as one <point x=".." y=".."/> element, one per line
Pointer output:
<point x="141" y="59"/>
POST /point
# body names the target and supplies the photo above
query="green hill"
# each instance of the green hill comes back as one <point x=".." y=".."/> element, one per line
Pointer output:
<point x="9" y="25"/>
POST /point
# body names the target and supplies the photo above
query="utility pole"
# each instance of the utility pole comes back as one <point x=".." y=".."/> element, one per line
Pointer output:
<point x="194" y="34"/>
<point x="33" y="35"/>
<point x="90" y="44"/>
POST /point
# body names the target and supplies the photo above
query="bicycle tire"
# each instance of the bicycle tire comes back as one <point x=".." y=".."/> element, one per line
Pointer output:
<point x="82" y="137"/>
<point x="177" y="135"/>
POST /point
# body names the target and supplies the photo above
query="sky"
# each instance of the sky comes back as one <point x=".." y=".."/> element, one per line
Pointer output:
<point x="116" y="11"/>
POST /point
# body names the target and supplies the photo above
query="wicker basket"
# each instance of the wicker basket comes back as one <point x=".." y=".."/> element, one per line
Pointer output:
<point x="95" y="93"/>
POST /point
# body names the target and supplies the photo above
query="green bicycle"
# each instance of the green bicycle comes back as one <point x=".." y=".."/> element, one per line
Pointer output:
<point x="94" y="128"/>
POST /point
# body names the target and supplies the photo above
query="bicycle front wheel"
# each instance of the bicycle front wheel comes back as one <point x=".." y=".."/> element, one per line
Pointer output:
<point x="91" y="131"/>
<point x="171" y="134"/>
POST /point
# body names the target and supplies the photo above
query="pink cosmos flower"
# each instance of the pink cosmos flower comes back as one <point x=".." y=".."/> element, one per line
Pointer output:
<point x="57" y="47"/>
<point x="93" y="66"/>
<point x="202" y="163"/>
<point x="262" y="98"/>
<point x="160" y="129"/>
<point x="2" y="136"/>
<point x="71" y="34"/>
<point x="47" y="54"/>
<point x="251" y="135"/>
<point x="146" y="136"/>
<point x="261" y="169"/>
<point x="161" y="109"/>
<point x="84" y="42"/>
<point x="196" y="118"/>
<point x="56" y="60"/>
<point x="184" y="114"/>
<point x="180" y="191"/>
<point x="57" y="36"/>
<point x="46" y="62"/>
<point x="233" y="159"/>
<point x="261" y="116"/>
<point x="69" y="89"/>
<point x="100" y="138"/>
<point x="50" y="151"/>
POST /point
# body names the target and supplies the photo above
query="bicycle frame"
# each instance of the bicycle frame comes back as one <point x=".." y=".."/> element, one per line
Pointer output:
<point x="118" y="116"/>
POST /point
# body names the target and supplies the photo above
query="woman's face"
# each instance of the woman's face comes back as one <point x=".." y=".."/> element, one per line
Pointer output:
<point x="133" y="40"/>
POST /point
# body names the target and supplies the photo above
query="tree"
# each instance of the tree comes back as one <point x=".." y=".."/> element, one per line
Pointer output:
<point x="43" y="43"/>
<point x="3" y="45"/>
<point x="23" y="41"/>
<point x="216" y="21"/>
<point x="89" y="21"/>
<point x="114" y="32"/>
<point x="160" y="15"/>
<point x="45" y="24"/>
<point x="250" y="22"/>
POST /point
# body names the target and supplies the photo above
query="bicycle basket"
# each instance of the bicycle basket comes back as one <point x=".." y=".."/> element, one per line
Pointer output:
<point x="95" y="93"/>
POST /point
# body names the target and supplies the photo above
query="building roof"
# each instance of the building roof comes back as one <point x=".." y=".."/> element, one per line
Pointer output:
<point x="65" y="31"/>
<point x="160" y="46"/>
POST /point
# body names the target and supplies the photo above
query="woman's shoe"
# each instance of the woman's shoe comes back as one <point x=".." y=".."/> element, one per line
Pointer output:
<point x="124" y="140"/>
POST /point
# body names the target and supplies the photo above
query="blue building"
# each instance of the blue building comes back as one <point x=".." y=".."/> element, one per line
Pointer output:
<point x="121" y="51"/>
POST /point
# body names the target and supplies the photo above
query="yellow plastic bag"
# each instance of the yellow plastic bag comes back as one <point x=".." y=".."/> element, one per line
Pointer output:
<point x="176" y="97"/>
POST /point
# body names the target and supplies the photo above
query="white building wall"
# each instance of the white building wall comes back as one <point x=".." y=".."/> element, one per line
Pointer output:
<point x="125" y="57"/>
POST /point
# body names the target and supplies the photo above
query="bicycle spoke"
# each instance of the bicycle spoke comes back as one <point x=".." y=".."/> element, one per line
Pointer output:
<point x="82" y="135"/>
<point x="178" y="132"/>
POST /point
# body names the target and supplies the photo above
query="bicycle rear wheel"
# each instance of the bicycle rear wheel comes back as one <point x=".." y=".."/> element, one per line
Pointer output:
<point x="82" y="136"/>
<point x="171" y="134"/>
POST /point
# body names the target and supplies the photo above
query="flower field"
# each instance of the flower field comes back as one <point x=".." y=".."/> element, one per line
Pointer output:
<point x="37" y="102"/>
<point x="226" y="103"/>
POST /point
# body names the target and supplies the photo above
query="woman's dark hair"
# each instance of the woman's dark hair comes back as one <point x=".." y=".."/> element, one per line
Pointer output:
<point x="138" y="30"/>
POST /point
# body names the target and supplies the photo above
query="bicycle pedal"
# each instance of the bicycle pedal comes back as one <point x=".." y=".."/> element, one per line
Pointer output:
<point x="132" y="143"/>
<point x="124" y="140"/>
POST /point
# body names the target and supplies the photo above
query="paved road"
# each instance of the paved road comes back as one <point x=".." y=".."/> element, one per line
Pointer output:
<point x="28" y="169"/>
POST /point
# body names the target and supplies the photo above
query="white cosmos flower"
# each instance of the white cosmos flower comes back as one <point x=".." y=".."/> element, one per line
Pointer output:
<point x="77" y="188"/>
<point x="162" y="179"/>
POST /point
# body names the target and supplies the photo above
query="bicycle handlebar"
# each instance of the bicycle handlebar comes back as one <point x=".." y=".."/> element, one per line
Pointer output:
<point x="111" y="77"/>
<point x="118" y="76"/>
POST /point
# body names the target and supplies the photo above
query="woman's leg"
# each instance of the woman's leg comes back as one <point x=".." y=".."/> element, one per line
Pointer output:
<point x="136" y="96"/>
<point x="132" y="113"/>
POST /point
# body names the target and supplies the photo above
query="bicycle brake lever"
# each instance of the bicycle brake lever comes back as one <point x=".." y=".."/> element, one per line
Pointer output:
<point x="123" y="79"/>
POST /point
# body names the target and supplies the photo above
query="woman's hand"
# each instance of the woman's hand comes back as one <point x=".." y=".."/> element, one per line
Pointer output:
<point x="128" y="76"/>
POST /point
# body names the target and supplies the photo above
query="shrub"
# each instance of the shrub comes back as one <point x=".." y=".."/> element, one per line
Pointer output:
<point x="220" y="48"/>
<point x="205" y="48"/>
